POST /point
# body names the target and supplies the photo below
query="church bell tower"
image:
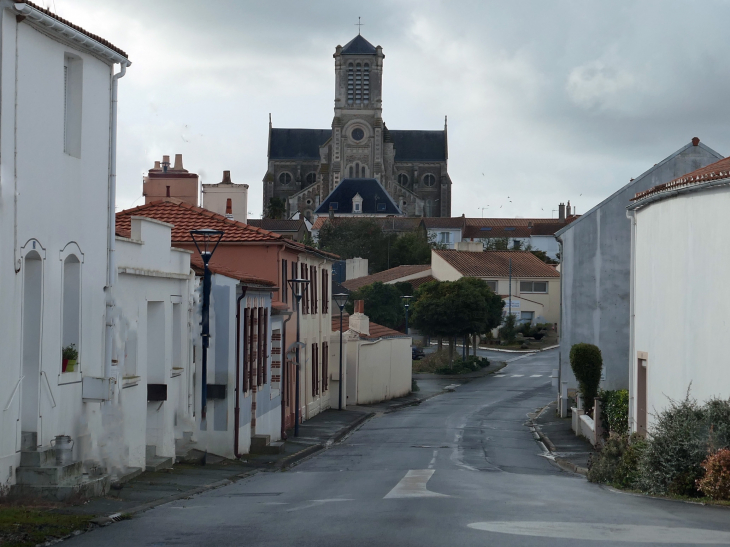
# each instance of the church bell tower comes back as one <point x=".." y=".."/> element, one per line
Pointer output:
<point x="357" y="127"/>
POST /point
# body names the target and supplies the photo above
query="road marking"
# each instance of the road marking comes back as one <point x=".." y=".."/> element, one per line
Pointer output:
<point x="452" y="386"/>
<point x="517" y="375"/>
<point x="413" y="485"/>
<point x="433" y="460"/>
<point x="596" y="531"/>
<point x="500" y="375"/>
<point x="317" y="503"/>
<point x="536" y="376"/>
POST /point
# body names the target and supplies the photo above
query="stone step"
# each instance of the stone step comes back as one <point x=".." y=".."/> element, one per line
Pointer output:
<point x="259" y="442"/>
<point x="277" y="447"/>
<point x="150" y="451"/>
<point x="158" y="463"/>
<point x="28" y="440"/>
<point x="87" y="487"/>
<point x="42" y="456"/>
<point x="50" y="475"/>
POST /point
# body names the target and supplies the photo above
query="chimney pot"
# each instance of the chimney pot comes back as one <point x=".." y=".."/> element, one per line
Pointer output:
<point x="567" y="209"/>
<point x="561" y="211"/>
<point x="695" y="141"/>
<point x="165" y="159"/>
<point x="227" y="177"/>
<point x="157" y="165"/>
<point x="178" y="162"/>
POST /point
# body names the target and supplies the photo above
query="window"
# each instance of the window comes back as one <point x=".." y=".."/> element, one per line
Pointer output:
<point x="311" y="178"/>
<point x="527" y="316"/>
<point x="177" y="340"/>
<point x="492" y="285"/>
<point x="71" y="304"/>
<point x="357" y="207"/>
<point x="429" y="179"/>
<point x="444" y="237"/>
<point x="486" y="228"/>
<point x="284" y="281"/>
<point x="363" y="172"/>
<point x="352" y="172"/>
<point x="534" y="286"/>
<point x="285" y="178"/>
<point x="334" y="205"/>
<point x="72" y="95"/>
<point x="156" y="342"/>
<point x="381" y="207"/>
<point x="357" y="134"/>
<point x="358" y="83"/>
<point x="403" y="179"/>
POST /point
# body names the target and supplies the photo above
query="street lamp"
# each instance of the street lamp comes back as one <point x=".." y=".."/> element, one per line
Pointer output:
<point x="406" y="303"/>
<point x="341" y="300"/>
<point x="298" y="286"/>
<point x="208" y="240"/>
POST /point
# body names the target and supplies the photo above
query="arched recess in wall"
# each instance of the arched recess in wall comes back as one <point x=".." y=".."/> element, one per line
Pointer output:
<point x="33" y="256"/>
<point x="71" y="258"/>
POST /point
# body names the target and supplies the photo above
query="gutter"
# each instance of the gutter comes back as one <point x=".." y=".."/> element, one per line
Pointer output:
<point x="684" y="190"/>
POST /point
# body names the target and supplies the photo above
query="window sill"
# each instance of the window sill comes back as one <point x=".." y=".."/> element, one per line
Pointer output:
<point x="130" y="381"/>
<point x="176" y="371"/>
<point x="72" y="377"/>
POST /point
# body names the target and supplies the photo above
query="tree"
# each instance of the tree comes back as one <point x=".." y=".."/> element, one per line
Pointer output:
<point x="383" y="304"/>
<point x="276" y="208"/>
<point x="409" y="248"/>
<point x="456" y="308"/>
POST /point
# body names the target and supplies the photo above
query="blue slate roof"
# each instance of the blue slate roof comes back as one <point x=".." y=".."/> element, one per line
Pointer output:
<point x="418" y="145"/>
<point x="341" y="198"/>
<point x="297" y="144"/>
<point x="358" y="46"/>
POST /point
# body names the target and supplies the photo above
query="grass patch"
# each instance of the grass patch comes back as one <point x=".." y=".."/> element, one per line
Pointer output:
<point x="439" y="363"/>
<point x="29" y="526"/>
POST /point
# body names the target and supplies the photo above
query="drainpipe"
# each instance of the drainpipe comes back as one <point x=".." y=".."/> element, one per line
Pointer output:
<point x="237" y="391"/>
<point x="282" y="383"/>
<point x="560" y="331"/>
<point x="631" y="215"/>
<point x="111" y="238"/>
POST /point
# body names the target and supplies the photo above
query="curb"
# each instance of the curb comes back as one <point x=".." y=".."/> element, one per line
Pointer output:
<point x="565" y="465"/>
<point x="526" y="351"/>
<point x="433" y="376"/>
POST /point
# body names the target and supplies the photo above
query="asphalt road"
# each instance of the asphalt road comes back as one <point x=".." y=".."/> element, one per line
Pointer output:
<point x="460" y="469"/>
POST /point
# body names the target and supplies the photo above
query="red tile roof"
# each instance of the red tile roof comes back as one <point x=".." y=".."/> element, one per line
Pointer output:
<point x="715" y="171"/>
<point x="496" y="264"/>
<point x="444" y="222"/>
<point x="197" y="264"/>
<point x="376" y="331"/>
<point x="418" y="281"/>
<point x="185" y="217"/>
<point x="385" y="276"/>
<point x="75" y="27"/>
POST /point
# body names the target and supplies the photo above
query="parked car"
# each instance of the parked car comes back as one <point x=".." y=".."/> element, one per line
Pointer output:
<point x="417" y="353"/>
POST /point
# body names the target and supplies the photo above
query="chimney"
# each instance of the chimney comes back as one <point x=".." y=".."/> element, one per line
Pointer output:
<point x="229" y="208"/>
<point x="561" y="211"/>
<point x="226" y="177"/>
<point x="178" y="162"/>
<point x="359" y="322"/>
<point x="157" y="165"/>
<point x="165" y="163"/>
<point x="695" y="141"/>
<point x="567" y="209"/>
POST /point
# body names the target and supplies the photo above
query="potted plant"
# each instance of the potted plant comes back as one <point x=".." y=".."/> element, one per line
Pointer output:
<point x="69" y="357"/>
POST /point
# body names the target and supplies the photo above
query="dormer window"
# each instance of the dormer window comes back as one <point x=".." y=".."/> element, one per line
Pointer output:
<point x="357" y="204"/>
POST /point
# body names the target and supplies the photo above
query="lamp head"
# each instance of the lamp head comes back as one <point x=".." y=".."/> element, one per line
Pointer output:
<point x="341" y="299"/>
<point x="206" y="241"/>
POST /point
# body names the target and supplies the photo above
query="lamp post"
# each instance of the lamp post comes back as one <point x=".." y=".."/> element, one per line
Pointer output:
<point x="208" y="240"/>
<point x="298" y="286"/>
<point x="406" y="304"/>
<point x="341" y="300"/>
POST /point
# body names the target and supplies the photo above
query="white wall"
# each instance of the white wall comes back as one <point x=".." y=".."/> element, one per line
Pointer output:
<point x="681" y="295"/>
<point x="453" y="234"/>
<point x="61" y="210"/>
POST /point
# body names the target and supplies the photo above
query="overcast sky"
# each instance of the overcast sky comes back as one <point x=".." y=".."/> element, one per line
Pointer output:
<point x="547" y="101"/>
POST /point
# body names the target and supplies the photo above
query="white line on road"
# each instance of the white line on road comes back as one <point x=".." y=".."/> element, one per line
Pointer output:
<point x="536" y="376"/>
<point x="413" y="485"/>
<point x="433" y="460"/>
<point x="517" y="375"/>
<point x="500" y="375"/>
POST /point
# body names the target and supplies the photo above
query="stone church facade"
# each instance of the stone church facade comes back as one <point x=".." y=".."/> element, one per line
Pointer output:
<point x="305" y="165"/>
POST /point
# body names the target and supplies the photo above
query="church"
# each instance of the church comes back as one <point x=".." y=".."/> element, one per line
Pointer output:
<point x="306" y="165"/>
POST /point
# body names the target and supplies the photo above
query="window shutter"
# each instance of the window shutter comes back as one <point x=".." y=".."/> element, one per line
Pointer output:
<point x="265" y="359"/>
<point x="325" y="366"/>
<point x="315" y="289"/>
<point x="246" y="360"/>
<point x="260" y="348"/>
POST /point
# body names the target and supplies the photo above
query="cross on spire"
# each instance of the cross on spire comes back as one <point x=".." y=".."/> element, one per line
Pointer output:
<point x="358" y="25"/>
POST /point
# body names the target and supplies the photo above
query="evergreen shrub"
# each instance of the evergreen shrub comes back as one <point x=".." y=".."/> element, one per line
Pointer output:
<point x="615" y="411"/>
<point x="587" y="363"/>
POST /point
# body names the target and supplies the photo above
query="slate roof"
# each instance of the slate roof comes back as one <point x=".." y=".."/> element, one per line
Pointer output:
<point x="496" y="263"/>
<point x="368" y="189"/>
<point x="417" y="145"/>
<point x="715" y="171"/>
<point x="385" y="276"/>
<point x="99" y="39"/>
<point x="185" y="217"/>
<point x="388" y="224"/>
<point x="358" y="46"/>
<point x="276" y="224"/>
<point x="444" y="222"/>
<point x="297" y="144"/>
<point x="197" y="265"/>
<point x="376" y="331"/>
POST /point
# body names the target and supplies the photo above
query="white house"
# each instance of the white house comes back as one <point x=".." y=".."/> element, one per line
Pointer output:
<point x="58" y="96"/>
<point x="679" y="292"/>
<point x="446" y="231"/>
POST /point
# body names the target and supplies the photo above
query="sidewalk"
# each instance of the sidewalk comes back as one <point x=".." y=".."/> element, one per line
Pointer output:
<point x="150" y="489"/>
<point x="568" y="450"/>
